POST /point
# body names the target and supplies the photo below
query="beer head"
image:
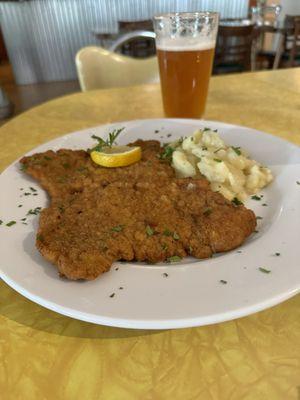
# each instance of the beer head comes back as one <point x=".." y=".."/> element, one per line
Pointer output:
<point x="186" y="31"/>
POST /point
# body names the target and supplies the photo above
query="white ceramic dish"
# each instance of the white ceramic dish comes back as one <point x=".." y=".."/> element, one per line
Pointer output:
<point x="191" y="294"/>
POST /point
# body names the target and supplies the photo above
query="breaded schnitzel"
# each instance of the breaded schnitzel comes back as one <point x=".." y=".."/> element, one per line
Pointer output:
<point x="140" y="212"/>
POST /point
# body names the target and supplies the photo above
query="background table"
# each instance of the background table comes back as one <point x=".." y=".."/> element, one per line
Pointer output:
<point x="44" y="355"/>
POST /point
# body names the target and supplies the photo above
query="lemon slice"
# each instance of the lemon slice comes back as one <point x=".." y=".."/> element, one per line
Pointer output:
<point x="117" y="156"/>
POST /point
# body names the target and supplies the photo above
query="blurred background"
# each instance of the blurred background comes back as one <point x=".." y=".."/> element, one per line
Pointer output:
<point x="39" y="40"/>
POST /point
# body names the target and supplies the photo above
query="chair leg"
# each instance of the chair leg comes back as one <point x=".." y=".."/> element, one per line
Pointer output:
<point x="279" y="52"/>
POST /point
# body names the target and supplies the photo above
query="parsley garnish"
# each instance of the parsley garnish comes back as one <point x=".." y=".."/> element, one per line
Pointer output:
<point x="166" y="232"/>
<point x="206" y="129"/>
<point x="204" y="148"/>
<point x="258" y="217"/>
<point x="176" y="236"/>
<point x="207" y="211"/>
<point x="47" y="158"/>
<point x="264" y="204"/>
<point x="255" y="197"/>
<point x="112" y="295"/>
<point x="20" y="205"/>
<point x="277" y="254"/>
<point x="164" y="246"/>
<point x="117" y="228"/>
<point x="34" y="211"/>
<point x="23" y="167"/>
<point x="298" y="183"/>
<point x="220" y="148"/>
<point x="223" y="281"/>
<point x="173" y="259"/>
<point x="169" y="134"/>
<point x="165" y="275"/>
<point x="236" y="150"/>
<point x="264" y="270"/>
<point x="166" y="154"/>
<point x="1" y="222"/>
<point x="149" y="230"/>
<point x="66" y="165"/>
<point x="236" y="201"/>
<point x="112" y="136"/>
<point x="39" y="237"/>
<point x="11" y="223"/>
<point x="156" y="131"/>
<point x="190" y="249"/>
<point x="217" y="160"/>
<point x="33" y="189"/>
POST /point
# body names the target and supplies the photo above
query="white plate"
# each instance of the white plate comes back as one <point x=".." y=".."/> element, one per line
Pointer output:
<point x="192" y="294"/>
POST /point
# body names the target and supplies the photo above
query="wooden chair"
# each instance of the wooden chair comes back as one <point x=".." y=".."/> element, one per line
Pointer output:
<point x="138" y="46"/>
<point x="234" y="48"/>
<point x="99" y="68"/>
<point x="289" y="46"/>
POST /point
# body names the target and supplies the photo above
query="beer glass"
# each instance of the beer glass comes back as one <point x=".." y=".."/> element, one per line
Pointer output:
<point x="185" y="44"/>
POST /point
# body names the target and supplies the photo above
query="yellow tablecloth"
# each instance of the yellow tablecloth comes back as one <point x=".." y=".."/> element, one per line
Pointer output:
<point x="44" y="355"/>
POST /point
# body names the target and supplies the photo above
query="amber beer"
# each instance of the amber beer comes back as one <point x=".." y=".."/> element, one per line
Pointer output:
<point x="184" y="75"/>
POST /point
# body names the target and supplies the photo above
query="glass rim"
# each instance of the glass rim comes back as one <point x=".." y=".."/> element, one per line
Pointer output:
<point x="186" y="15"/>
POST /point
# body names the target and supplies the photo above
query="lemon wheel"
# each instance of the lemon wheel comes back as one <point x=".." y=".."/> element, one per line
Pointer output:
<point x="116" y="156"/>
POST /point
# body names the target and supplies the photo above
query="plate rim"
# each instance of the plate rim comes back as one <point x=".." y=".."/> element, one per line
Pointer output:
<point x="152" y="323"/>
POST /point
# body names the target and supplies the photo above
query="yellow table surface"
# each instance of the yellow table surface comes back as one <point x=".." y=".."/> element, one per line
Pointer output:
<point x="44" y="355"/>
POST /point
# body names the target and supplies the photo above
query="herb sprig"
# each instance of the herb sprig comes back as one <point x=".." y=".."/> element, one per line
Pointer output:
<point x="112" y="136"/>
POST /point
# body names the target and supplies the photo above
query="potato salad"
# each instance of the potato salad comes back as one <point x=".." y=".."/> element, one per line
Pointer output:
<point x="229" y="169"/>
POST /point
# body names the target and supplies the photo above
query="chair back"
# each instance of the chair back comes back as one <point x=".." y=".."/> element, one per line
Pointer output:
<point x="137" y="46"/>
<point x="234" y="47"/>
<point x="292" y="38"/>
<point x="99" y="68"/>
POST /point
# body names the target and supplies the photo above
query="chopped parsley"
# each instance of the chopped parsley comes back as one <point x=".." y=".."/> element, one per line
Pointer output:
<point x="39" y="237"/>
<point x="166" y="232"/>
<point x="264" y="204"/>
<point x="11" y="223"/>
<point x="190" y="249"/>
<point x="298" y="182"/>
<point x="204" y="148"/>
<point x="112" y="136"/>
<point x="112" y="295"/>
<point x="121" y="288"/>
<point x="33" y="189"/>
<point x="173" y="259"/>
<point x="47" y="158"/>
<point x="23" y="219"/>
<point x="117" y="228"/>
<point x="207" y="211"/>
<point x="23" y="167"/>
<point x="156" y="131"/>
<point x="237" y="150"/>
<point x="258" y="217"/>
<point x="264" y="270"/>
<point x="34" y="211"/>
<point x="217" y="160"/>
<point x="165" y="275"/>
<point x="66" y="165"/>
<point x="220" y="148"/>
<point x="255" y="197"/>
<point x="164" y="246"/>
<point x="206" y="129"/>
<point x="223" y="281"/>
<point x="166" y="154"/>
<point x="27" y="194"/>
<point x="149" y="230"/>
<point x="20" y="205"/>
<point x="236" y="201"/>
<point x="169" y="134"/>
<point x="277" y="254"/>
<point x="1" y="222"/>
<point x="176" y="236"/>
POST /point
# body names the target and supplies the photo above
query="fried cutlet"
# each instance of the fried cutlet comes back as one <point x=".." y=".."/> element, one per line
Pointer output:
<point x="140" y="212"/>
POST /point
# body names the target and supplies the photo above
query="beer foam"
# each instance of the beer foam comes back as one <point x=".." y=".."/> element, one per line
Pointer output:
<point x="184" y="44"/>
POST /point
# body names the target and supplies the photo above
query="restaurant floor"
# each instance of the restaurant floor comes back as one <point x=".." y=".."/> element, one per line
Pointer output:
<point x="24" y="97"/>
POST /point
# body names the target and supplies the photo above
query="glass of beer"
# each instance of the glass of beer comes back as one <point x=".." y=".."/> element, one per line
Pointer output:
<point x="185" y="44"/>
